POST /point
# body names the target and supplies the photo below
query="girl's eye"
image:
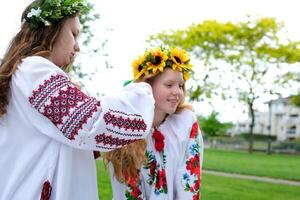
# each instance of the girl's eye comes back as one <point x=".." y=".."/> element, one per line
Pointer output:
<point x="75" y="34"/>
<point x="181" y="86"/>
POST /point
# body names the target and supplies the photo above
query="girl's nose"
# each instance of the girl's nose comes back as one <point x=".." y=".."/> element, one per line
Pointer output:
<point x="176" y="90"/>
<point x="76" y="47"/>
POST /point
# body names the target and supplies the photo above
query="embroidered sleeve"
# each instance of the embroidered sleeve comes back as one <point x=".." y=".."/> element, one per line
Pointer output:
<point x="88" y="123"/>
<point x="188" y="179"/>
<point x="64" y="105"/>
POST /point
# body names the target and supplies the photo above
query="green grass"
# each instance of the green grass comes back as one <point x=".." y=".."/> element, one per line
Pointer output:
<point x="260" y="164"/>
<point x="220" y="188"/>
<point x="104" y="187"/>
<point x="226" y="188"/>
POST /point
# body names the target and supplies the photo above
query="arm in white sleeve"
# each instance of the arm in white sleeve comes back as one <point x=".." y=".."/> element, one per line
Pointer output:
<point x="188" y="176"/>
<point x="61" y="111"/>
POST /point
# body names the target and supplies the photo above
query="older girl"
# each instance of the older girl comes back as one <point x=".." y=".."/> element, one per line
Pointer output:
<point x="48" y="127"/>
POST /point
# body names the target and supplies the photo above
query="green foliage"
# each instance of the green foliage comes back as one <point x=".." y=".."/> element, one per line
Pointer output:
<point x="251" y="49"/>
<point x="85" y="25"/>
<point x="195" y="93"/>
<point x="289" y="144"/>
<point x="248" y="50"/>
<point x="211" y="126"/>
<point x="233" y="42"/>
<point x="257" y="137"/>
<point x="296" y="100"/>
<point x="48" y="12"/>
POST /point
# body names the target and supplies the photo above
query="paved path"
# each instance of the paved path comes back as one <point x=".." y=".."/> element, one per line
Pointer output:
<point x="256" y="178"/>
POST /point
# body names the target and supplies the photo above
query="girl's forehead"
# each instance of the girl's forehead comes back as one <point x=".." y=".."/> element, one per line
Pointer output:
<point x="172" y="75"/>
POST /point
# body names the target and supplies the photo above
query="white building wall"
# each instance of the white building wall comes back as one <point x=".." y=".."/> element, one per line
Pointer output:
<point x="285" y="121"/>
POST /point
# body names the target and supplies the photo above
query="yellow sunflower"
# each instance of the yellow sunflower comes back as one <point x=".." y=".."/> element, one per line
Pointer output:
<point x="186" y="75"/>
<point x="157" y="60"/>
<point x="138" y="68"/>
<point x="186" y="67"/>
<point x="180" y="59"/>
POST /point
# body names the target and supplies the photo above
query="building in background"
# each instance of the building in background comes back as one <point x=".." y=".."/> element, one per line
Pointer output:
<point x="283" y="119"/>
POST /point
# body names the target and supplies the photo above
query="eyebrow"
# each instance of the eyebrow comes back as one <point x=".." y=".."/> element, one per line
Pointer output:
<point x="175" y="81"/>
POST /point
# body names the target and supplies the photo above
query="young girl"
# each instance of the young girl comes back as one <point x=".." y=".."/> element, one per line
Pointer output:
<point x="174" y="151"/>
<point x="48" y="127"/>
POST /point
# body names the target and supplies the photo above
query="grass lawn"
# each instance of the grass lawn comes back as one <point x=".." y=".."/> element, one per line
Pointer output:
<point x="260" y="164"/>
<point x="104" y="187"/>
<point x="226" y="188"/>
<point x="219" y="188"/>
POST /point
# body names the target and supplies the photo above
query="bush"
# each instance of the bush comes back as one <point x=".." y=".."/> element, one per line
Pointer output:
<point x="211" y="126"/>
<point x="257" y="137"/>
<point x="289" y="144"/>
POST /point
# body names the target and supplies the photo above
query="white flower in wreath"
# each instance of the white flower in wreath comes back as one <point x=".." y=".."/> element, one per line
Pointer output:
<point x="34" y="12"/>
<point x="46" y="22"/>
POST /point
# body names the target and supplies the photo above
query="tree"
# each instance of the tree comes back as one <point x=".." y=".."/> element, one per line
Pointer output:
<point x="293" y="78"/>
<point x="249" y="52"/>
<point x="211" y="126"/>
<point x="296" y="100"/>
<point x="97" y="47"/>
<point x="76" y="71"/>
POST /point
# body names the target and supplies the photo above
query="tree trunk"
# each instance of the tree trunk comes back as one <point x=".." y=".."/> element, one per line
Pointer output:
<point x="251" y="138"/>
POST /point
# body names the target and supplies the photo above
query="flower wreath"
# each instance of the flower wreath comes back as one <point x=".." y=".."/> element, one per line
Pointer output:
<point x="48" y="12"/>
<point x="156" y="60"/>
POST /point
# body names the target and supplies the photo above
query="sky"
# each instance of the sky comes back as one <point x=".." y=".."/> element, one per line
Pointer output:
<point x="126" y="24"/>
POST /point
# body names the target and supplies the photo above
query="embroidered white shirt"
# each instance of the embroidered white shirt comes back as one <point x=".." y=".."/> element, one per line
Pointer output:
<point x="51" y="128"/>
<point x="174" y="173"/>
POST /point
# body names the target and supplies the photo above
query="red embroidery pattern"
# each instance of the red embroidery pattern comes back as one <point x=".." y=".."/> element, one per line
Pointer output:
<point x="159" y="138"/>
<point x="193" y="165"/>
<point x="40" y="96"/>
<point x="193" y="176"/>
<point x="65" y="105"/>
<point x="126" y="123"/>
<point x="133" y="191"/>
<point x="124" y="134"/>
<point x="194" y="130"/>
<point x="127" y="114"/>
<point x="112" y="141"/>
<point x="157" y="173"/>
<point x="46" y="191"/>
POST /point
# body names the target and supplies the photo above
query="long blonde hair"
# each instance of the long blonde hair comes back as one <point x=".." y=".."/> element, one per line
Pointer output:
<point x="127" y="160"/>
<point x="27" y="42"/>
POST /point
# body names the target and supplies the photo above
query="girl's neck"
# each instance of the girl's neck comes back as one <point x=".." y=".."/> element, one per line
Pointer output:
<point x="159" y="118"/>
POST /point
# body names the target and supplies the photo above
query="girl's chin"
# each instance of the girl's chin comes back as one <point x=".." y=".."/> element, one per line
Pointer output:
<point x="171" y="111"/>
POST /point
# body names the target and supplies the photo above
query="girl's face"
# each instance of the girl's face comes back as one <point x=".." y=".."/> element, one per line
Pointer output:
<point x="66" y="45"/>
<point x="168" y="91"/>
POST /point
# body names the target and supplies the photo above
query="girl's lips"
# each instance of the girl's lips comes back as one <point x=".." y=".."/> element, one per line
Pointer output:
<point x="173" y="101"/>
<point x="72" y="56"/>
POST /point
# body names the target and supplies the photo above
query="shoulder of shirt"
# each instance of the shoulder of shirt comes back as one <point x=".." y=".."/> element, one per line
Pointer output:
<point x="186" y="116"/>
<point x="38" y="63"/>
<point x="182" y="121"/>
